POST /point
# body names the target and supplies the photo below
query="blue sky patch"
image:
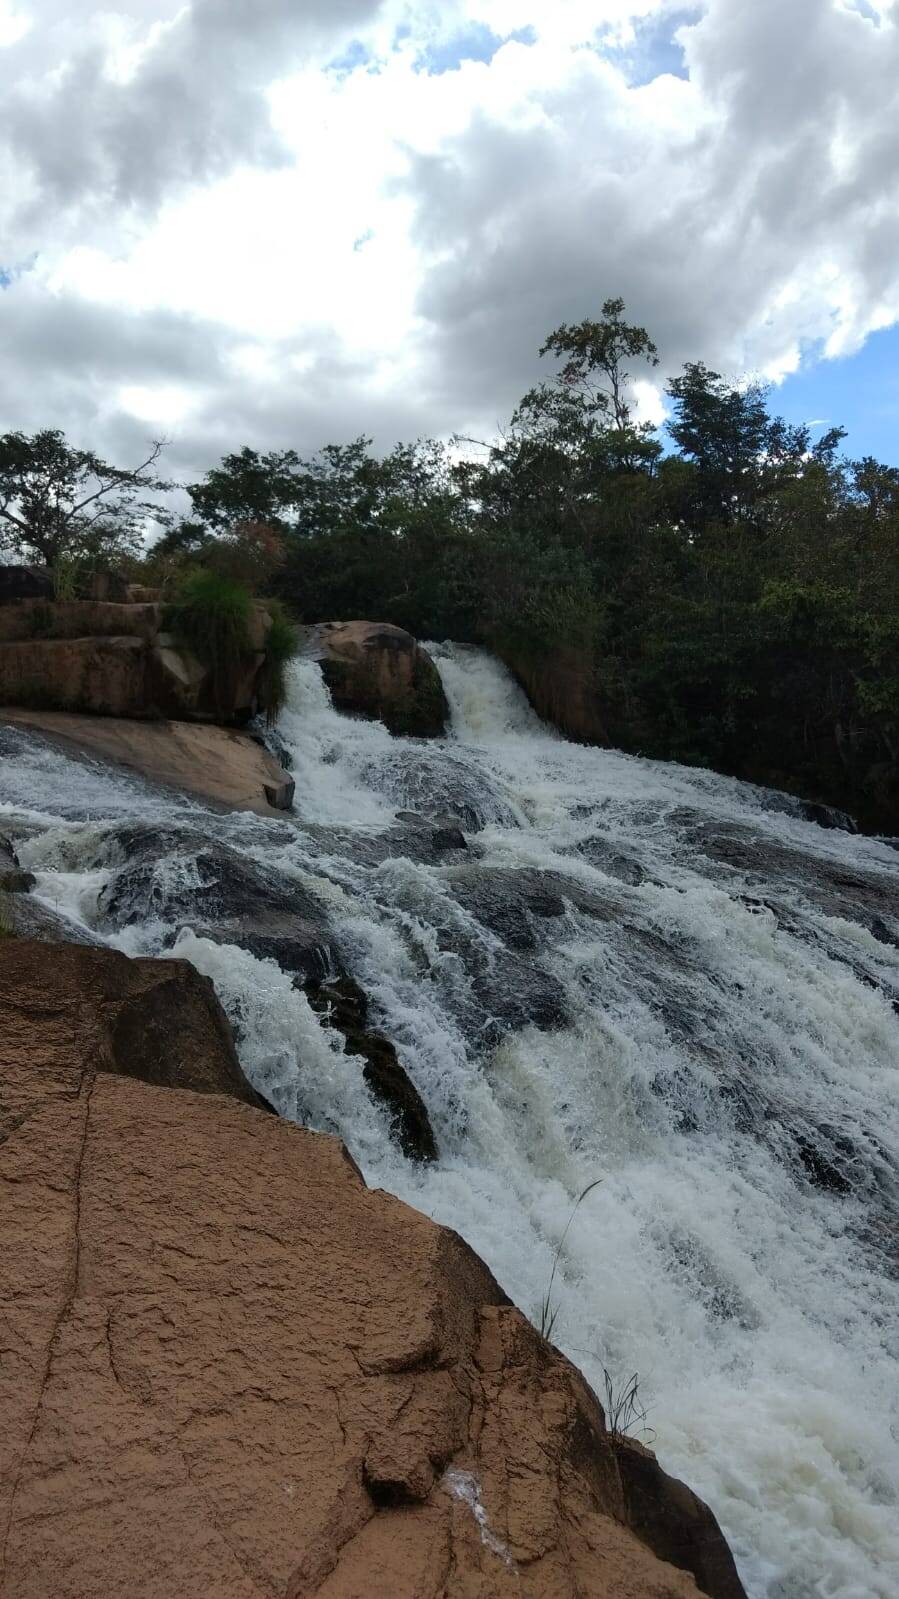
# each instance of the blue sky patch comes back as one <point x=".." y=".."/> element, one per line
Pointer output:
<point x="475" y="43"/>
<point x="654" y="51"/>
<point x="10" y="274"/>
<point x="858" y="392"/>
<point x="355" y="55"/>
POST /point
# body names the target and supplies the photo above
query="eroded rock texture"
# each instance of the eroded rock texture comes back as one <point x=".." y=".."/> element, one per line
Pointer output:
<point x="378" y="670"/>
<point x="75" y="1007"/>
<point x="230" y="1371"/>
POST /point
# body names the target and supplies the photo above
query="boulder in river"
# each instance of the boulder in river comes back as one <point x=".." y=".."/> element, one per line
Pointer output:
<point x="207" y="886"/>
<point x="346" y="1007"/>
<point x="12" y="879"/>
<point x="378" y="670"/>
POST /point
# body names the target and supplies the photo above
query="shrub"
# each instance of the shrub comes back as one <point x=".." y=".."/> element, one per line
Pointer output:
<point x="281" y="642"/>
<point x="210" y="615"/>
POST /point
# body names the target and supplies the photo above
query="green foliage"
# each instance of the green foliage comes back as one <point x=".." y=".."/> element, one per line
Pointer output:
<point x="549" y="1308"/>
<point x="7" y="920"/>
<point x="625" y="1411"/>
<point x="732" y="601"/>
<point x="58" y="502"/>
<point x="211" y="618"/>
<point x="281" y="643"/>
<point x="67" y="573"/>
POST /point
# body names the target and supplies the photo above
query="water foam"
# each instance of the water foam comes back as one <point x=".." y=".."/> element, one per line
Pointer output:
<point x="726" y="1028"/>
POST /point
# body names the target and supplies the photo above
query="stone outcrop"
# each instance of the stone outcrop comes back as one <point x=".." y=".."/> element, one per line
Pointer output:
<point x="561" y="687"/>
<point x="77" y="619"/>
<point x="220" y="764"/>
<point x="675" y="1522"/>
<point x="110" y="658"/>
<point x="377" y="670"/>
<point x="25" y="583"/>
<point x="344" y="1003"/>
<point x="12" y="879"/>
<point x="221" y="895"/>
<point x="231" y="1371"/>
<point x="92" y="1009"/>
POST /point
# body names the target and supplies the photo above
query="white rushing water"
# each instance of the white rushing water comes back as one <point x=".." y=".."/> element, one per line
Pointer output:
<point x="715" y="981"/>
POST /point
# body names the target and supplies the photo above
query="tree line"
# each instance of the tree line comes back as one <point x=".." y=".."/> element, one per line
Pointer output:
<point x="729" y="589"/>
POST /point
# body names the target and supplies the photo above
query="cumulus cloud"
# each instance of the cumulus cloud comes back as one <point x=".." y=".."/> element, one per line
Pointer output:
<point x="277" y="224"/>
<point x="104" y="116"/>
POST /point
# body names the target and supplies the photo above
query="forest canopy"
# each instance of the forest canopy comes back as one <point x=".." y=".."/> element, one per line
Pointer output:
<point x="725" y="592"/>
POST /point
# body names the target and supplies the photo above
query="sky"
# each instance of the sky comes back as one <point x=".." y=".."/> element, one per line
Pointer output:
<point x="285" y="222"/>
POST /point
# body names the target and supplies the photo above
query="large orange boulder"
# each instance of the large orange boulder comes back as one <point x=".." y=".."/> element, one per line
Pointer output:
<point x="229" y="1370"/>
<point x="377" y="670"/>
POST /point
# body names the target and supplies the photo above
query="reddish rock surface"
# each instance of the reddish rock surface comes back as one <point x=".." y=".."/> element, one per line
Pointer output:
<point x="74" y="1007"/>
<point x="219" y="763"/>
<point x="77" y="619"/>
<point x="107" y="658"/>
<point x="230" y="1371"/>
<point x="560" y="685"/>
<point x="379" y="670"/>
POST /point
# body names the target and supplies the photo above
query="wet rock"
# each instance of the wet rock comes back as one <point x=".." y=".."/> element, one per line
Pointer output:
<point x="218" y="763"/>
<point x="444" y="833"/>
<point x="346" y="1006"/>
<point x="827" y="816"/>
<point x="221" y="896"/>
<point x="15" y="882"/>
<point x="612" y="860"/>
<point x="90" y="1009"/>
<point x="515" y="993"/>
<point x="12" y="879"/>
<point x="31" y="919"/>
<point x="561" y="686"/>
<point x="507" y="902"/>
<point x="280" y="793"/>
<point x="675" y="1523"/>
<point x="377" y="670"/>
<point x="866" y="897"/>
<point x="435" y="783"/>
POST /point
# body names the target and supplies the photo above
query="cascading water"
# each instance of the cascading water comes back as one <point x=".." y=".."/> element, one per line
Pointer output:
<point x="634" y="972"/>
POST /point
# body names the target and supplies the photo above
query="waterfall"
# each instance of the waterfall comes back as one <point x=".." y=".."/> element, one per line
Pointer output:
<point x="655" y="979"/>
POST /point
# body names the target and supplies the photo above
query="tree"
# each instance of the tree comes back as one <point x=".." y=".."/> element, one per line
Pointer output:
<point x="741" y="455"/>
<point x="248" y="487"/>
<point x="57" y="502"/>
<point x="594" y="354"/>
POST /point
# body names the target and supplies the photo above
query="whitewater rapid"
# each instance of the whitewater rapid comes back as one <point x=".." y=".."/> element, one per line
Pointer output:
<point x="724" y="1060"/>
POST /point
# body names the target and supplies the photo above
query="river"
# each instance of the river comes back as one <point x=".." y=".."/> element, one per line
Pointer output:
<point x="657" y="980"/>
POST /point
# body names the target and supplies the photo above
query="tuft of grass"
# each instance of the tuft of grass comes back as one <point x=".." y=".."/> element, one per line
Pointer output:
<point x="67" y="573"/>
<point x="281" y="643"/>
<point x="210" y="615"/>
<point x="548" y="1310"/>
<point x="7" y="922"/>
<point x="625" y="1411"/>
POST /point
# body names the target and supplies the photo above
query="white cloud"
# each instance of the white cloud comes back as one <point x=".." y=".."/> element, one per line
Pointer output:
<point x="14" y="24"/>
<point x="376" y="245"/>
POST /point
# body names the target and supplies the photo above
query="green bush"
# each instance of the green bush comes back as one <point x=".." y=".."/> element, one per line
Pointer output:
<point x="210" y="616"/>
<point x="281" y="642"/>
